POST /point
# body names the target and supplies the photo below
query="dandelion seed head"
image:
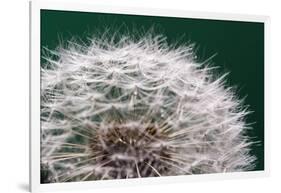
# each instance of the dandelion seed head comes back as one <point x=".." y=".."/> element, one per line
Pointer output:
<point x="127" y="108"/>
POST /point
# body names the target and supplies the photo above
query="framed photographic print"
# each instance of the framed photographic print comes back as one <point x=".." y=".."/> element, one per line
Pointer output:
<point x="143" y="96"/>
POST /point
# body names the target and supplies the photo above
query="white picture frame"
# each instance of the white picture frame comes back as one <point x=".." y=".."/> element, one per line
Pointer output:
<point x="36" y="6"/>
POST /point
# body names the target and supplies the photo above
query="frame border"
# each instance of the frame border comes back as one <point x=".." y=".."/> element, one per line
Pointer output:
<point x="34" y="92"/>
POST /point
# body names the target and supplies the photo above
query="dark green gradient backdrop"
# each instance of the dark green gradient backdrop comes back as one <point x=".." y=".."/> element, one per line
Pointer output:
<point x="239" y="47"/>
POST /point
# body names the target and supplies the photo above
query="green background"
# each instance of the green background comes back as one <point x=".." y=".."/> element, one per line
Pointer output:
<point x="239" y="47"/>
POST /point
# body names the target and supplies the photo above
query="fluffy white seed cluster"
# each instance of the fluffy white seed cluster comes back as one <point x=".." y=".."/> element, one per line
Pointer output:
<point x="137" y="107"/>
